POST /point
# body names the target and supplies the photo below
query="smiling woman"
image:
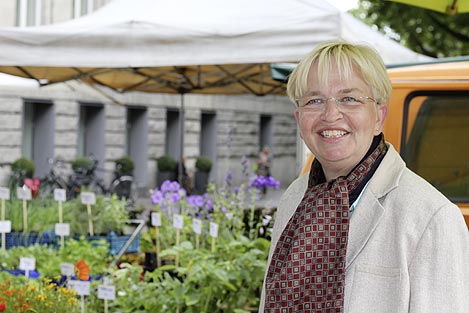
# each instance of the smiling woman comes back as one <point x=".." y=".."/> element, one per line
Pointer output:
<point x="331" y="223"/>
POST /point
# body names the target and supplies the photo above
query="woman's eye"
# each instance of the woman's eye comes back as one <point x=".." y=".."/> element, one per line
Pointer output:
<point x="314" y="101"/>
<point x="348" y="100"/>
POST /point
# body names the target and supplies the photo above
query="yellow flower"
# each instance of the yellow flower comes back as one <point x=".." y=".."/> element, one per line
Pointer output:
<point x="41" y="297"/>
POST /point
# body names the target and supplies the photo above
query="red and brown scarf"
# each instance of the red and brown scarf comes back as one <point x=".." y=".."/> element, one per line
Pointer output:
<point x="307" y="270"/>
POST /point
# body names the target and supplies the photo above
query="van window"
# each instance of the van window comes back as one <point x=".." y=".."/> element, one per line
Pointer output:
<point x="436" y="141"/>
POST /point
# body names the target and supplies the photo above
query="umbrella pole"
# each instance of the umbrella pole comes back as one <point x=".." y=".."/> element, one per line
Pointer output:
<point x="181" y="140"/>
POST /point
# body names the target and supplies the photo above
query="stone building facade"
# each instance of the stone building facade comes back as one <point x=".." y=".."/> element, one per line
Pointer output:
<point x="66" y="122"/>
<point x="70" y="120"/>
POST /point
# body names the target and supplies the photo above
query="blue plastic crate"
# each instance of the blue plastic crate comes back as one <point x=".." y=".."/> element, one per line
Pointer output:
<point x="116" y="242"/>
<point x="20" y="239"/>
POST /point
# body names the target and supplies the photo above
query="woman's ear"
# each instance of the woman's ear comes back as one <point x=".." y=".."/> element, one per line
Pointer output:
<point x="381" y="114"/>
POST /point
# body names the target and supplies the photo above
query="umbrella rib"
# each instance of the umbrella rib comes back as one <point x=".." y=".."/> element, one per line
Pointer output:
<point x="238" y="80"/>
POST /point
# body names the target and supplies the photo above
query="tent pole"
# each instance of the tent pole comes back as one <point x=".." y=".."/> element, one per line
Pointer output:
<point x="181" y="140"/>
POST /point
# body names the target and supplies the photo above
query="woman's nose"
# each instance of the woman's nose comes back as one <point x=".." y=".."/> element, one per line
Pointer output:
<point x="331" y="110"/>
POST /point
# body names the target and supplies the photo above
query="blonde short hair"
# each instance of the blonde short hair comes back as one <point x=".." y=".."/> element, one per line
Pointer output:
<point x="348" y="58"/>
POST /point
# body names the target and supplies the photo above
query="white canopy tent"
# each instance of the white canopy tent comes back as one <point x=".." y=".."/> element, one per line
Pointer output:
<point x="182" y="46"/>
<point x="178" y="46"/>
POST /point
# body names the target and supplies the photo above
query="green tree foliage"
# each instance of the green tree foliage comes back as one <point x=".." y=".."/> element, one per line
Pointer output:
<point x="424" y="31"/>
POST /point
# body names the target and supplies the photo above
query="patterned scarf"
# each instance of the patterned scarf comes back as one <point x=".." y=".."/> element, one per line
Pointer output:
<point x="307" y="270"/>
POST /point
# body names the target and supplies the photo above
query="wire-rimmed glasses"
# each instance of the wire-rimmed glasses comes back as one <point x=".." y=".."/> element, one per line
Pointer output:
<point x="343" y="104"/>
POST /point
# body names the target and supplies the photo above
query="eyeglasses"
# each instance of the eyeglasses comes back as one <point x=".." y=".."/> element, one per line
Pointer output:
<point x="344" y="104"/>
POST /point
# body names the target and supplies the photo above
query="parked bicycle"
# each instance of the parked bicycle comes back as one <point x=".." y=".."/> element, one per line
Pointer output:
<point x="84" y="178"/>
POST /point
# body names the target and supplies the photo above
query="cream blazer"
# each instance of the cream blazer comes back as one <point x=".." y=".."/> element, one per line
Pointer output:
<point x="408" y="245"/>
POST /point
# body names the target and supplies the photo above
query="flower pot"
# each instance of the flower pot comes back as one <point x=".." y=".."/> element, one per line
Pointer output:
<point x="200" y="182"/>
<point x="162" y="176"/>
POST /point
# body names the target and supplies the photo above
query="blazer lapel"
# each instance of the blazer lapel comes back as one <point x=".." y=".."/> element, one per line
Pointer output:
<point x="362" y="224"/>
<point x="369" y="211"/>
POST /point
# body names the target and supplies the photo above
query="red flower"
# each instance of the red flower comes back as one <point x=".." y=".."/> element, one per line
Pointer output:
<point x="3" y="306"/>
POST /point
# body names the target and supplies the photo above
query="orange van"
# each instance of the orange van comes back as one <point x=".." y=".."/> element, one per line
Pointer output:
<point x="428" y="123"/>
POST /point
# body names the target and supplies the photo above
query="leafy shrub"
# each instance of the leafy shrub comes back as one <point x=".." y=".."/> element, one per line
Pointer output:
<point x="82" y="165"/>
<point x="166" y="163"/>
<point x="125" y="165"/>
<point x="203" y="164"/>
<point x="24" y="167"/>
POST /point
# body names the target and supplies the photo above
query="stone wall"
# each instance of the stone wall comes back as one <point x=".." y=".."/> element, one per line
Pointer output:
<point x="237" y="119"/>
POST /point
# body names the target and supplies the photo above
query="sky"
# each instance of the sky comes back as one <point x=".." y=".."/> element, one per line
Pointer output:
<point x="344" y="5"/>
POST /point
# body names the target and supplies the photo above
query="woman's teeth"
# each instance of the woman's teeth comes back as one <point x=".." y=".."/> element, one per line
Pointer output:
<point x="333" y="133"/>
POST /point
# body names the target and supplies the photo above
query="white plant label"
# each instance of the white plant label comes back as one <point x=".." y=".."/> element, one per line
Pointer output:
<point x="178" y="221"/>
<point x="60" y="195"/>
<point x="27" y="264"/>
<point x="88" y="198"/>
<point x="5" y="226"/>
<point x="4" y="193"/>
<point x="24" y="193"/>
<point x="106" y="292"/>
<point x="62" y="229"/>
<point x="213" y="229"/>
<point x="67" y="269"/>
<point x="81" y="287"/>
<point x="155" y="219"/>
<point x="107" y="281"/>
<point x="197" y="225"/>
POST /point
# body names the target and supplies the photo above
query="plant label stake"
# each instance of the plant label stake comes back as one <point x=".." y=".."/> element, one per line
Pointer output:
<point x="156" y="222"/>
<point x="24" y="193"/>
<point x="61" y="229"/>
<point x="67" y="269"/>
<point x="82" y="288"/>
<point x="5" y="227"/>
<point x="89" y="199"/>
<point x="213" y="233"/>
<point x="4" y="195"/>
<point x="197" y="228"/>
<point x="106" y="292"/>
<point x="27" y="264"/>
<point x="178" y="223"/>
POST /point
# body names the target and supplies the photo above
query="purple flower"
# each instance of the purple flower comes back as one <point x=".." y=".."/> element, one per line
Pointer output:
<point x="229" y="178"/>
<point x="157" y="197"/>
<point x="208" y="204"/>
<point x="175" y="197"/>
<point x="263" y="181"/>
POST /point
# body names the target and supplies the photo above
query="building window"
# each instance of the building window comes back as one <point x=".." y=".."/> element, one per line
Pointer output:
<point x="38" y="134"/>
<point x="265" y="131"/>
<point x="28" y="13"/>
<point x="173" y="134"/>
<point x="82" y="7"/>
<point x="137" y="143"/>
<point x="208" y="137"/>
<point x="91" y="133"/>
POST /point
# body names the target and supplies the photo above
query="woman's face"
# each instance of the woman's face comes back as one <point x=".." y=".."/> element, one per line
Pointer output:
<point x="339" y="138"/>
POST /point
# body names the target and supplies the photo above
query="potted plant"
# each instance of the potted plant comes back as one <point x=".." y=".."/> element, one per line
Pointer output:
<point x="203" y="167"/>
<point x="167" y="167"/>
<point x="82" y="165"/>
<point x="20" y="169"/>
<point x="124" y="166"/>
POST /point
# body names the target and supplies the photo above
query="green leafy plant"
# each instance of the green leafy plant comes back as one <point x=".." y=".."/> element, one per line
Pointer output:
<point x="49" y="258"/>
<point x="108" y="214"/>
<point x="166" y="163"/>
<point x="82" y="165"/>
<point x="203" y="164"/>
<point x="24" y="167"/>
<point x="124" y="165"/>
